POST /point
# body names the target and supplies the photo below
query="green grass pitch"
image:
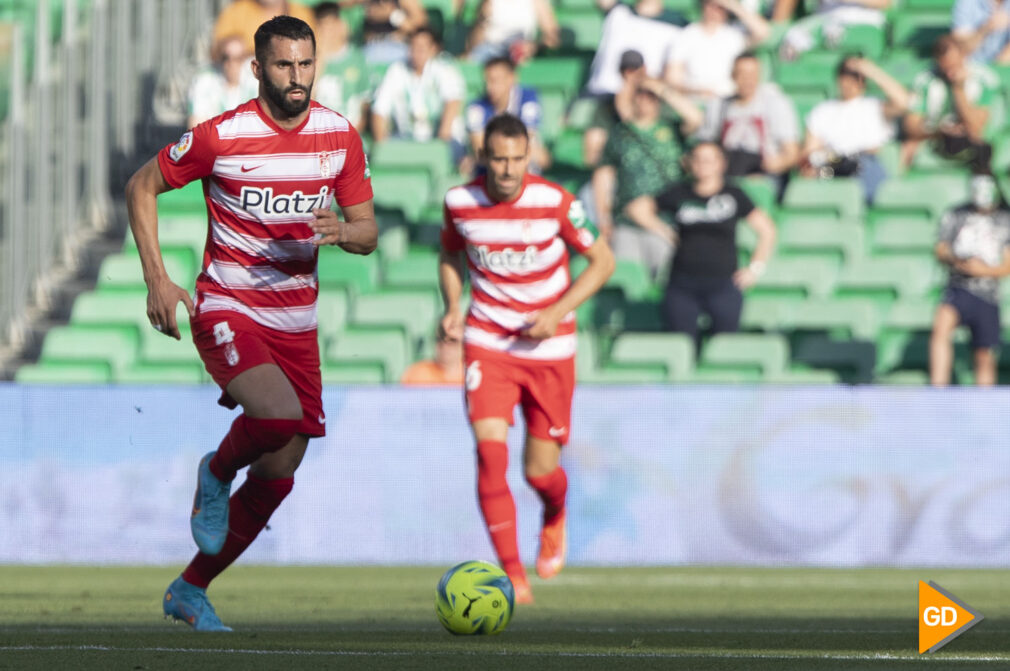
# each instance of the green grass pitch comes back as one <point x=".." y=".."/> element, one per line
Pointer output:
<point x="587" y="618"/>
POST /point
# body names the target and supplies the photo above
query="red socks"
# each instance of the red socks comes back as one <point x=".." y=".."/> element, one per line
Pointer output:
<point x="552" y="489"/>
<point x="497" y="504"/>
<point x="248" y="512"/>
<point x="249" y="438"/>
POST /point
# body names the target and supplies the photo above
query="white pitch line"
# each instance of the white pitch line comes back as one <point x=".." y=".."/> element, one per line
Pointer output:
<point x="869" y="656"/>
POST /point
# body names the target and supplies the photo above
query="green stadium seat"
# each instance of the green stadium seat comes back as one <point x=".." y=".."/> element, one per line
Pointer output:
<point x="761" y="191"/>
<point x="799" y="277"/>
<point x="473" y="77"/>
<point x="405" y="189"/>
<point x="803" y="376"/>
<point x="56" y="372"/>
<point x="902" y="232"/>
<point x="407" y="155"/>
<point x="767" y="353"/>
<point x="852" y="360"/>
<point x="905" y="319"/>
<point x="929" y="193"/>
<point x="907" y="378"/>
<point x="115" y="346"/>
<point x="766" y="313"/>
<point x="581" y="30"/>
<point x="674" y="352"/>
<point x="626" y="374"/>
<point x="387" y="347"/>
<point x="841" y="241"/>
<point x="331" y="310"/>
<point x="587" y="357"/>
<point x="156" y="374"/>
<point x="704" y="374"/>
<point x="842" y="195"/>
<point x="1001" y="154"/>
<point x="127" y="306"/>
<point x="553" y="103"/>
<point x="813" y="71"/>
<point x="581" y="113"/>
<point x="888" y="277"/>
<point x="158" y="349"/>
<point x="919" y="30"/>
<point x="564" y="74"/>
<point x="418" y="269"/>
<point x="352" y="373"/>
<point x="415" y="311"/>
<point x="567" y="149"/>
<point x="904" y="65"/>
<point x="805" y="101"/>
<point x="338" y="268"/>
<point x="839" y="317"/>
<point x="633" y="279"/>
<point x="187" y="200"/>
<point x="862" y="38"/>
<point x="123" y="271"/>
<point x="394" y="243"/>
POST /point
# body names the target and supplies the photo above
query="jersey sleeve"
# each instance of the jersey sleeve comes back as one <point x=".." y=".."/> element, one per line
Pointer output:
<point x="576" y="229"/>
<point x="744" y="204"/>
<point x="192" y="157"/>
<point x="354" y="183"/>
<point x="452" y="241"/>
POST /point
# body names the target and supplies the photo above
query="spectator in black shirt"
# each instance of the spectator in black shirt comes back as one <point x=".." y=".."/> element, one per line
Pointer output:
<point x="704" y="214"/>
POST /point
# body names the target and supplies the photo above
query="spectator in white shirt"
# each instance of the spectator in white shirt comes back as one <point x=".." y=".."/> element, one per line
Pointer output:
<point x="704" y="54"/>
<point x="225" y="85"/>
<point x="508" y="28"/>
<point x="844" y="135"/>
<point x="625" y="28"/>
<point x="422" y="98"/>
<point x="756" y="127"/>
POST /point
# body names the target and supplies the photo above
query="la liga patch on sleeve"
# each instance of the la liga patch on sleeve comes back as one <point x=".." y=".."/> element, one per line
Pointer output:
<point x="180" y="148"/>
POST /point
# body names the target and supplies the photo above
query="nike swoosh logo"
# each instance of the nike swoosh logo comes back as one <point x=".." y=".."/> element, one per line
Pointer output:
<point x="322" y="420"/>
<point x="245" y="169"/>
<point x="555" y="432"/>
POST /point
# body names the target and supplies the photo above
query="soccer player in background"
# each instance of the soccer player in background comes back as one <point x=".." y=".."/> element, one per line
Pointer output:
<point x="271" y="169"/>
<point x="514" y="230"/>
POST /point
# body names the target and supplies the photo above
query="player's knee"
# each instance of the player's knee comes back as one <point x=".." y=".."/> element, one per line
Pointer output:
<point x="492" y="459"/>
<point x="273" y="433"/>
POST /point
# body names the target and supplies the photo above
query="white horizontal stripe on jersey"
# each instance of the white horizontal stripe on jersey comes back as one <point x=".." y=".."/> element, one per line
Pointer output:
<point x="266" y="207"/>
<point x="268" y="249"/>
<point x="469" y="195"/>
<point x="323" y="120"/>
<point x="539" y="195"/>
<point x="244" y="124"/>
<point x="296" y="319"/>
<point x="302" y="167"/>
<point x="262" y="278"/>
<point x="507" y="318"/>
<point x="528" y="293"/>
<point x="501" y="231"/>
<point x="517" y="262"/>
<point x="550" y="349"/>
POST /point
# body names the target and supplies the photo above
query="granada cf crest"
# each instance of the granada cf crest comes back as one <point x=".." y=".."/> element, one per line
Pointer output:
<point x="324" y="164"/>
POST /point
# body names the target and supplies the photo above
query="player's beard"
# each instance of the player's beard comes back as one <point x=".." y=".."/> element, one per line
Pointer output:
<point x="280" y="100"/>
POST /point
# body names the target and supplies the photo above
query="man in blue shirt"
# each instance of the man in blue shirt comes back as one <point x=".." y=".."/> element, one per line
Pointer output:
<point x="502" y="93"/>
<point x="983" y="29"/>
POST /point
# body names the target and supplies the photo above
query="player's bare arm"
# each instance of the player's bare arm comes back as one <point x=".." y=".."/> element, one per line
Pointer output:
<point x="589" y="281"/>
<point x="450" y="281"/>
<point x="142" y="205"/>
<point x="358" y="233"/>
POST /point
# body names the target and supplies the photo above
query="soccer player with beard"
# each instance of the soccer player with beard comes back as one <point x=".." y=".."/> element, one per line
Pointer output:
<point x="271" y="169"/>
<point x="514" y="230"/>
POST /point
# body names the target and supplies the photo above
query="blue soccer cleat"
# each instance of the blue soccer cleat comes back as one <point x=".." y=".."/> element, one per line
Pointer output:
<point x="209" y="521"/>
<point x="190" y="604"/>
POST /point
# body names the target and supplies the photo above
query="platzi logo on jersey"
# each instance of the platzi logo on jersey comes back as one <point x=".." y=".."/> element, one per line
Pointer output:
<point x="260" y="202"/>
<point x="508" y="259"/>
<point x="942" y="617"/>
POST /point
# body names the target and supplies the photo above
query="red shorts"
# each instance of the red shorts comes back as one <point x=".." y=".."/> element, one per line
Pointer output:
<point x="230" y="343"/>
<point x="496" y="382"/>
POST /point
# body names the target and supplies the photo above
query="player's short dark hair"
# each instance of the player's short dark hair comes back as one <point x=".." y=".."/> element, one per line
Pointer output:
<point x="326" y="10"/>
<point x="281" y="26"/>
<point x="425" y="30"/>
<point x="504" y="61"/>
<point x="507" y="125"/>
<point x="746" y="55"/>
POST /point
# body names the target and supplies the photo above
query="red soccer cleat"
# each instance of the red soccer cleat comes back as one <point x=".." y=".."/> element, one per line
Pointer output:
<point x="522" y="589"/>
<point x="553" y="547"/>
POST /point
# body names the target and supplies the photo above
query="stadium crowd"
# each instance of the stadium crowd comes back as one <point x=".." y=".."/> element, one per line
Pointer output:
<point x="657" y="85"/>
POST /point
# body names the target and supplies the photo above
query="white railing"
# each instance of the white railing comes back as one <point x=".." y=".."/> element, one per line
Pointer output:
<point x="80" y="111"/>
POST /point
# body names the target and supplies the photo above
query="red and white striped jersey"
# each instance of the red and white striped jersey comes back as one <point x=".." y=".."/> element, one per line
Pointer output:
<point x="261" y="183"/>
<point x="517" y="255"/>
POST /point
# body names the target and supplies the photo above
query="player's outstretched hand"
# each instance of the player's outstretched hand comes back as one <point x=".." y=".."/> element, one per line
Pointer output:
<point x="162" y="297"/>
<point x="543" y="326"/>
<point x="326" y="226"/>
